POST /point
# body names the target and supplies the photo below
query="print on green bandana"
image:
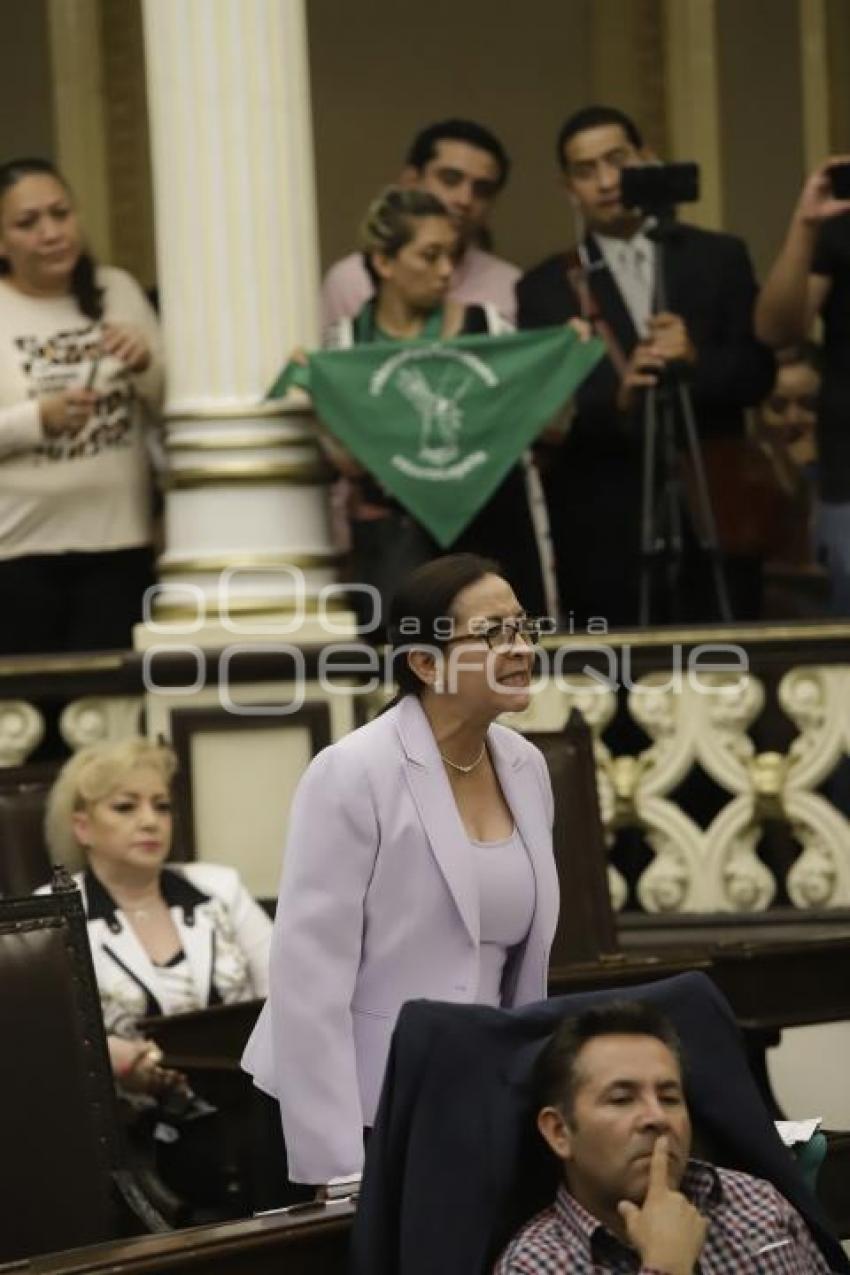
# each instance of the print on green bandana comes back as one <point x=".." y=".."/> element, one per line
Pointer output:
<point x="440" y="423"/>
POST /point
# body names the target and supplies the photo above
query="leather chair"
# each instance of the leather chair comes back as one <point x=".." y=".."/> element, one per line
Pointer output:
<point x="64" y="1180"/>
<point x="24" y="859"/>
<point x="454" y="1165"/>
<point x="587" y="930"/>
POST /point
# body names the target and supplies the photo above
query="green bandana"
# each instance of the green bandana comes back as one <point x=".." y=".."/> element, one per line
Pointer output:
<point x="440" y="423"/>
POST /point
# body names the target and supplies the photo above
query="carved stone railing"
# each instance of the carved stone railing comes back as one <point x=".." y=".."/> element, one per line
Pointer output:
<point x="719" y="753"/>
<point x="768" y="736"/>
<point x="91" y="697"/>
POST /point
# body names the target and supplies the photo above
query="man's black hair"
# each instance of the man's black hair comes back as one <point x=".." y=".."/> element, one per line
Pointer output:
<point x="424" y="146"/>
<point x="555" y="1073"/>
<point x="595" y="117"/>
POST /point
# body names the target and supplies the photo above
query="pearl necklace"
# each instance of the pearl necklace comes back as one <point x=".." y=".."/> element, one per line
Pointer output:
<point x="465" y="770"/>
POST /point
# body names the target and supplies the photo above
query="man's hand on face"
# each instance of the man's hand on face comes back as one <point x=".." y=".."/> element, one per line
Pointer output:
<point x="667" y="1230"/>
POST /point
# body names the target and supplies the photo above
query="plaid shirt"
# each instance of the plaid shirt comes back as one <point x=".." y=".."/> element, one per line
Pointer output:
<point x="752" y="1230"/>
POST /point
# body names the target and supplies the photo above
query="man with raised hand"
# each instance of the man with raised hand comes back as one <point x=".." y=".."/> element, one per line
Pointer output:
<point x="466" y="167"/>
<point x="632" y="1199"/>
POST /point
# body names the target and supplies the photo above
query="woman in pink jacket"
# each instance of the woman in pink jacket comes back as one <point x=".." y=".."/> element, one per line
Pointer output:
<point x="418" y="864"/>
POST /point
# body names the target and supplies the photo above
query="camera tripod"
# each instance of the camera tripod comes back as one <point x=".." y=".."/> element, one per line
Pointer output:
<point x="669" y="422"/>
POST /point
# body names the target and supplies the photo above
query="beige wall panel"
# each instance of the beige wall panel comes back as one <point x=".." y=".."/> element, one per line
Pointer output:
<point x="692" y="92"/>
<point x="761" y="119"/>
<point x="628" y="69"/>
<point x="381" y="69"/>
<point x="808" y="1073"/>
<point x="26" y="84"/>
<point x="244" y="769"/>
<point x="243" y="786"/>
<point x="814" y="66"/>
<point x="79" y="117"/>
<point x="838" y="34"/>
<point x="127" y="138"/>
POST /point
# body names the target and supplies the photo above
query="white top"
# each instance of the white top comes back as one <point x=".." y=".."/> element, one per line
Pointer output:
<point x="176" y="988"/>
<point x="632" y="263"/>
<point x="479" y="279"/>
<point x="507" y="895"/>
<point x="91" y="492"/>
<point x="223" y="933"/>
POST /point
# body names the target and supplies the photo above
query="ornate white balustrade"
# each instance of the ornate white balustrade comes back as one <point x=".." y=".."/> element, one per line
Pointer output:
<point x="21" y="731"/>
<point x="723" y="724"/>
<point x="715" y="868"/>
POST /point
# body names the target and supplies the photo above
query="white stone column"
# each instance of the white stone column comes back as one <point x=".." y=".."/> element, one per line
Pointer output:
<point x="693" y="100"/>
<point x="815" y="76"/>
<point x="237" y="256"/>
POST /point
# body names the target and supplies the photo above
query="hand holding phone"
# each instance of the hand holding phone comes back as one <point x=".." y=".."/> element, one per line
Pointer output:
<point x="839" y="180"/>
<point x="826" y="192"/>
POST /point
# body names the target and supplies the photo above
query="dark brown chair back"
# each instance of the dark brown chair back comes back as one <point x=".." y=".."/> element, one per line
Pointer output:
<point x="24" y="860"/>
<point x="63" y="1182"/>
<point x="586" y="927"/>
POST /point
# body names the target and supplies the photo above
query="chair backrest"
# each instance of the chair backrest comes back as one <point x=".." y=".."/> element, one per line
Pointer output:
<point x="63" y="1180"/>
<point x="24" y="859"/>
<point x="586" y="925"/>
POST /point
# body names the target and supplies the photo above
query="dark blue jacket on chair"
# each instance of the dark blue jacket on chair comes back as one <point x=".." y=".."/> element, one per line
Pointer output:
<point x="455" y="1164"/>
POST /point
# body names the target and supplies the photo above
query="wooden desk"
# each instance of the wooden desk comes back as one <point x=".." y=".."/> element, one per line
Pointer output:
<point x="622" y="969"/>
<point x="784" y="968"/>
<point x="204" y="1037"/>
<point x="312" y="1242"/>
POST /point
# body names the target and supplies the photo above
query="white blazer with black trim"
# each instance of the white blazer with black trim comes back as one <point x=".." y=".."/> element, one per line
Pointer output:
<point x="224" y="934"/>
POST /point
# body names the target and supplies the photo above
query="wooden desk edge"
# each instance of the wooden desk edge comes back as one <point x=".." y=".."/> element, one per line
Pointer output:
<point x="222" y="1240"/>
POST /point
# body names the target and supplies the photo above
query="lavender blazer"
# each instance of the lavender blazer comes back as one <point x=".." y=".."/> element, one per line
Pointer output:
<point x="378" y="906"/>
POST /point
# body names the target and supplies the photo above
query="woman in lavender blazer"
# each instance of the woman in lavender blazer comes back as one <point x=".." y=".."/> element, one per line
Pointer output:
<point x="418" y="864"/>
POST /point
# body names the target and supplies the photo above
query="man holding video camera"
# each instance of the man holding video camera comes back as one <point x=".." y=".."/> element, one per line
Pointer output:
<point x="704" y="333"/>
<point x="811" y="276"/>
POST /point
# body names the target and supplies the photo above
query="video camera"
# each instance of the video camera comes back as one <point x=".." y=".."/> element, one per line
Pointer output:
<point x="658" y="188"/>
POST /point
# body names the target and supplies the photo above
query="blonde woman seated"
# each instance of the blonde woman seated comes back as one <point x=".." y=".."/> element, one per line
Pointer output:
<point x="165" y="938"/>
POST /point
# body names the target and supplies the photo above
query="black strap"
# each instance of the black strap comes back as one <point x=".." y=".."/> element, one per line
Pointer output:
<point x="579" y="282"/>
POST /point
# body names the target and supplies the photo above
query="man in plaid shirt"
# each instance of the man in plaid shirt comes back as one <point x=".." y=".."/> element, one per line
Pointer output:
<point x="633" y="1202"/>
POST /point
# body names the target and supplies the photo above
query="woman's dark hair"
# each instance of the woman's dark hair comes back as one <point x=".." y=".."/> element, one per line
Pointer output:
<point x="595" y="117"/>
<point x="84" y="289"/>
<point x="390" y="222"/>
<point x="421" y="609"/>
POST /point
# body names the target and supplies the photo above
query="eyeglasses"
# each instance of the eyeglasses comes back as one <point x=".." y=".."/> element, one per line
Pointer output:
<point x="501" y="635"/>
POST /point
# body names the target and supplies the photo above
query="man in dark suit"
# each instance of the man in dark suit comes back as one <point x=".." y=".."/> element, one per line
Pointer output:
<point x="705" y="329"/>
